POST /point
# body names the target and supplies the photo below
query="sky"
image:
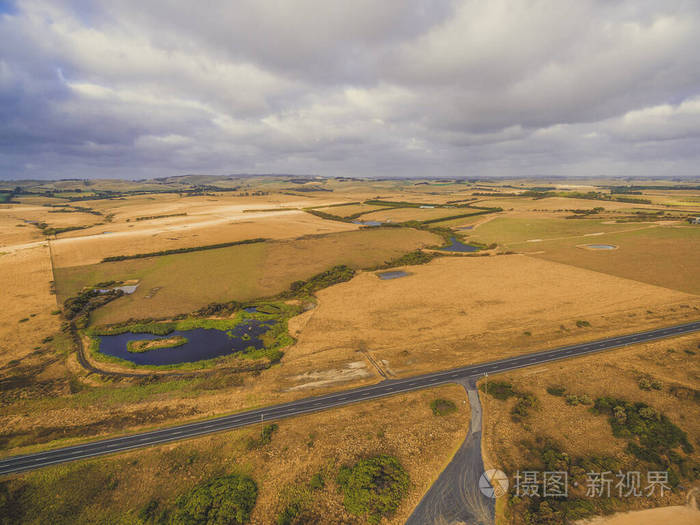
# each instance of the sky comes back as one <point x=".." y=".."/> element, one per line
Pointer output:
<point x="390" y="88"/>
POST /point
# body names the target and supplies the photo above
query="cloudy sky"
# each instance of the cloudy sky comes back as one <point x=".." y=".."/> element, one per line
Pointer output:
<point x="134" y="88"/>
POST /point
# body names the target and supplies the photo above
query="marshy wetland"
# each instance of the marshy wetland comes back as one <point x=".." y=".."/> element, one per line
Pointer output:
<point x="201" y="344"/>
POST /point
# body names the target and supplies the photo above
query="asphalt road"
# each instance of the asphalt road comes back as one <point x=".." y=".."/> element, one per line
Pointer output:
<point x="314" y="404"/>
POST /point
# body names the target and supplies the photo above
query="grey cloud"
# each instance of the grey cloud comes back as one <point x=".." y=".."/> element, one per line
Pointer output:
<point x="97" y="88"/>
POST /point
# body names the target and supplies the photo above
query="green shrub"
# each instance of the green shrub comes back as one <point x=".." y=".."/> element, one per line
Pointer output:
<point x="317" y="482"/>
<point x="265" y="437"/>
<point x="292" y="514"/>
<point x="654" y="430"/>
<point x="442" y="407"/>
<point x="373" y="487"/>
<point x="582" y="324"/>
<point x="523" y="405"/>
<point x="227" y="500"/>
<point x="556" y="390"/>
<point x="499" y="389"/>
<point x="408" y="259"/>
<point x="583" y="399"/>
<point x="335" y="275"/>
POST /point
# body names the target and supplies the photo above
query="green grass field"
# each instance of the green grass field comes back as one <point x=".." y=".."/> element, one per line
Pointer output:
<point x="182" y="283"/>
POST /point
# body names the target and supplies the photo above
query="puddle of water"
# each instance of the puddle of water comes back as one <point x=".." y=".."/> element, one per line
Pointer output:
<point x="601" y="246"/>
<point x="458" y="246"/>
<point x="392" y="275"/>
<point x="202" y="344"/>
<point x="128" y="289"/>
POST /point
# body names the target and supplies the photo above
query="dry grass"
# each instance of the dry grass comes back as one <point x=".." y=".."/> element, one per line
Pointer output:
<point x="557" y="204"/>
<point x="401" y="425"/>
<point x="24" y="281"/>
<point x="350" y="209"/>
<point x="13" y="229"/>
<point x="189" y="281"/>
<point x="666" y="256"/>
<point x="413" y="214"/>
<point x="527" y="231"/>
<point x="456" y="311"/>
<point x="209" y="220"/>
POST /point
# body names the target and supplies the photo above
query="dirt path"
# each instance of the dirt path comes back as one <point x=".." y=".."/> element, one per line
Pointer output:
<point x="455" y="496"/>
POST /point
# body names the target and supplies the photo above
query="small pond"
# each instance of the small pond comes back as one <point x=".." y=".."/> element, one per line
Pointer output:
<point x="392" y="274"/>
<point x="368" y="223"/>
<point x="458" y="246"/>
<point x="202" y="344"/>
<point x="601" y="246"/>
<point x="465" y="228"/>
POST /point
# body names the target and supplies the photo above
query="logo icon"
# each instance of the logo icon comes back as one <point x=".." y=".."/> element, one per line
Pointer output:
<point x="493" y="483"/>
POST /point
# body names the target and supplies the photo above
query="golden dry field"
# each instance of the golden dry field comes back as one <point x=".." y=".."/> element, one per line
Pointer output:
<point x="413" y="214"/>
<point x="460" y="310"/>
<point x="350" y="209"/>
<point x="666" y="256"/>
<point x="26" y="315"/>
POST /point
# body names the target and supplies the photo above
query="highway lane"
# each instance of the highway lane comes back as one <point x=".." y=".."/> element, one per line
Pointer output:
<point x="314" y="404"/>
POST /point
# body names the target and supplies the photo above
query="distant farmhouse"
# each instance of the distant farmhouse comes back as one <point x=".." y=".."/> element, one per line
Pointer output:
<point x="694" y="220"/>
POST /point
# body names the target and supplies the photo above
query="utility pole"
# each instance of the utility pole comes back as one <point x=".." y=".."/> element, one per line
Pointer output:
<point x="486" y="386"/>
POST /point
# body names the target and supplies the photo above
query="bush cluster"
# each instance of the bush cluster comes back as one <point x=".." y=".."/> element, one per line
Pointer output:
<point x="373" y="487"/>
<point x="653" y="437"/>
<point x="442" y="407"/>
<point x="646" y="383"/>
<point x="556" y="390"/>
<point x="265" y="437"/>
<point x="583" y="399"/>
<point x="225" y="500"/>
<point x="335" y="275"/>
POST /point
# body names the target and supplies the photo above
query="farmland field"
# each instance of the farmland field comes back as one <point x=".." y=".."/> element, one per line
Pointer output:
<point x="512" y="230"/>
<point x="181" y="283"/>
<point x="455" y="311"/>
<point x="666" y="256"/>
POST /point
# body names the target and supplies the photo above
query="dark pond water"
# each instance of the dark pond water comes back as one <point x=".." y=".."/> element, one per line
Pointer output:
<point x="458" y="246"/>
<point x="392" y="274"/>
<point x="202" y="344"/>
<point x="368" y="223"/>
<point x="466" y="228"/>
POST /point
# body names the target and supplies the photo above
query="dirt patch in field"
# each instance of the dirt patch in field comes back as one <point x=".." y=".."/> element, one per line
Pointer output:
<point x="322" y="378"/>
